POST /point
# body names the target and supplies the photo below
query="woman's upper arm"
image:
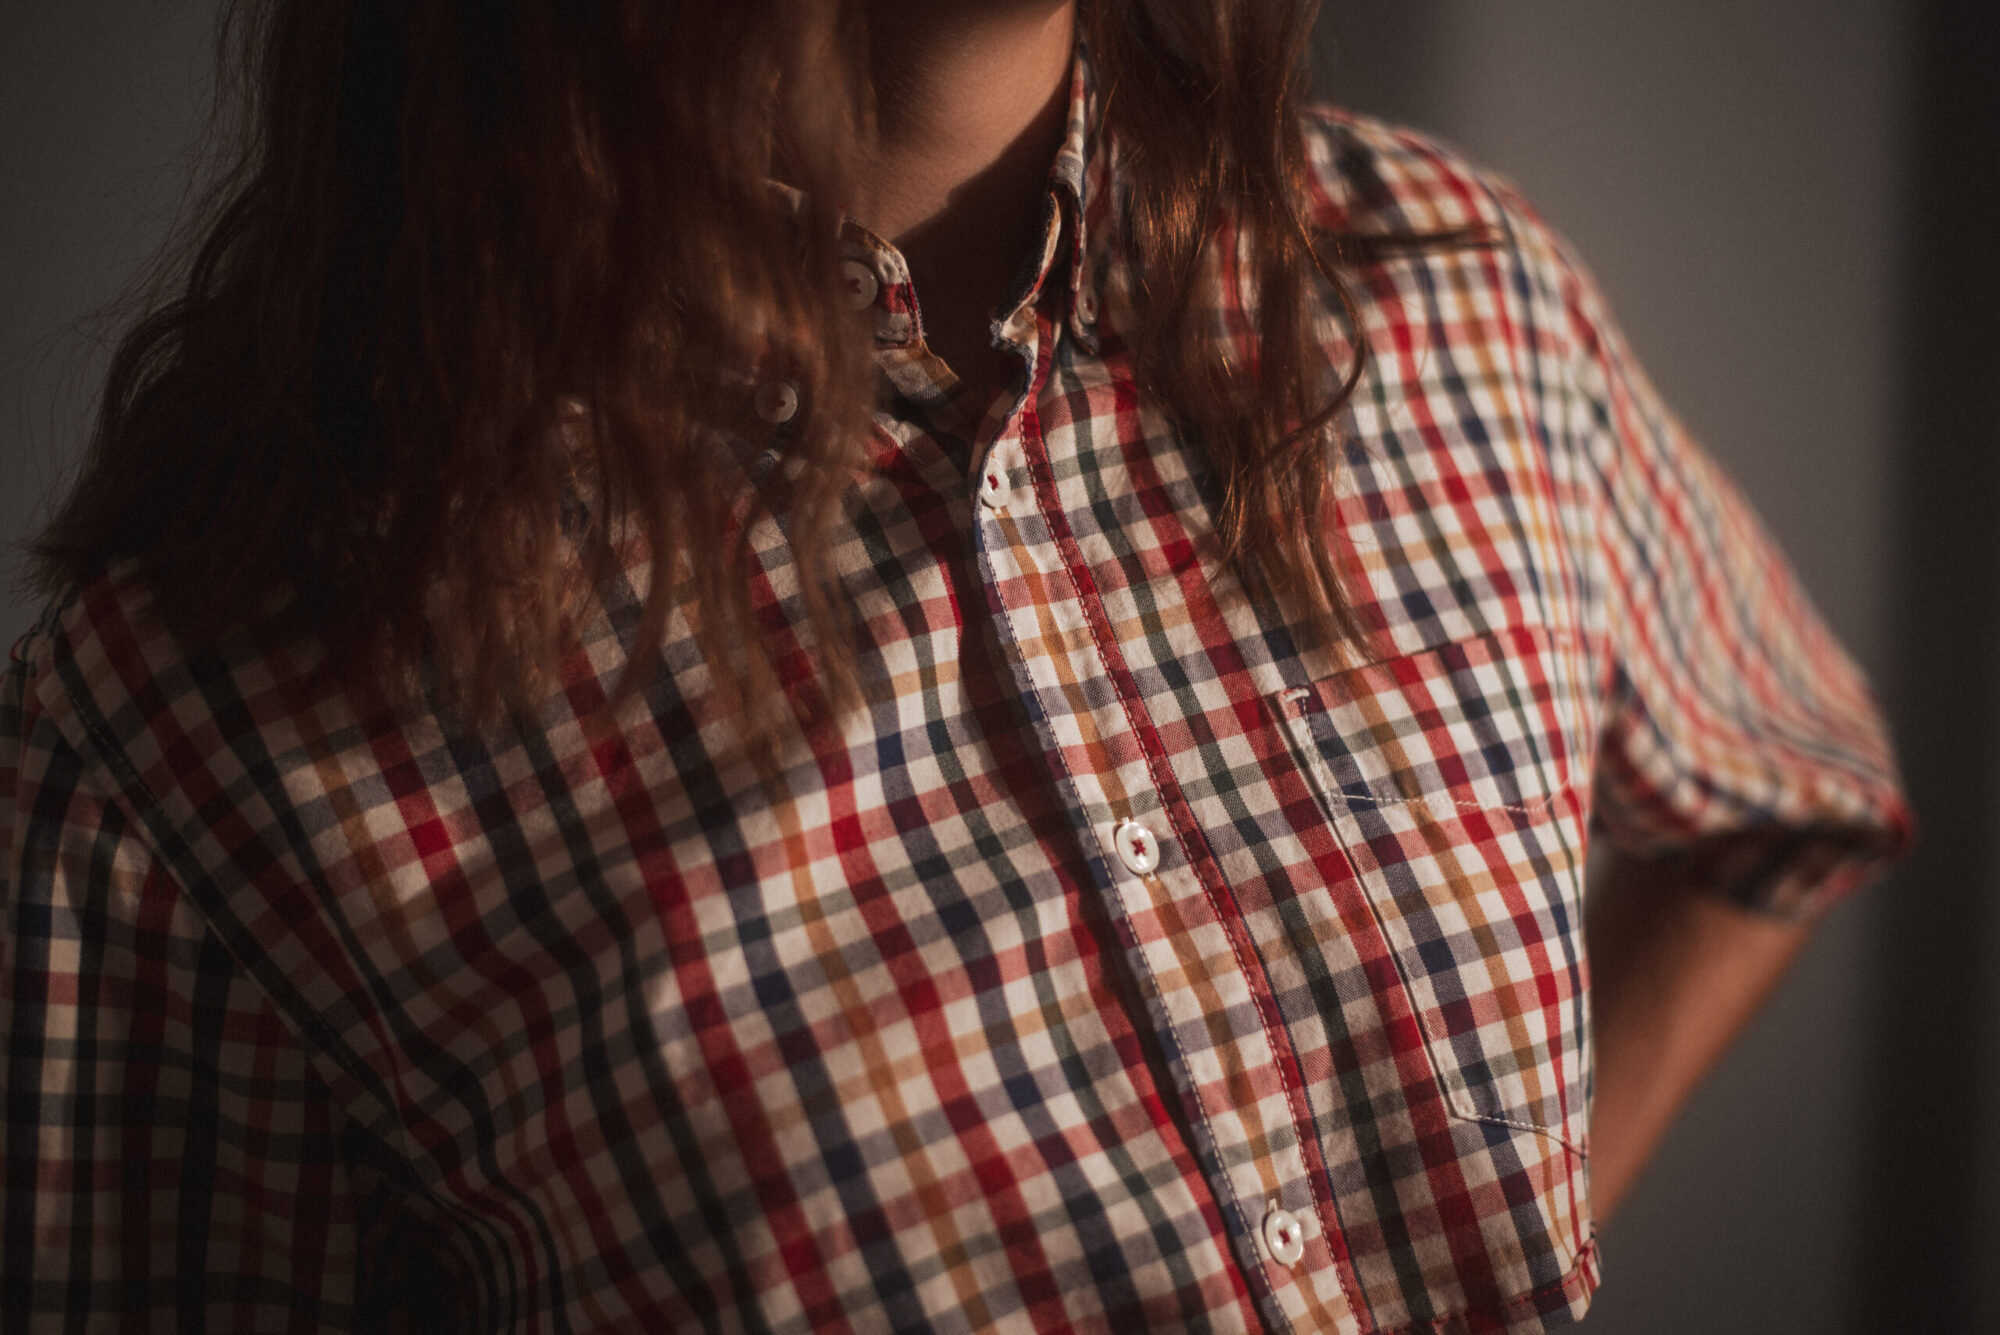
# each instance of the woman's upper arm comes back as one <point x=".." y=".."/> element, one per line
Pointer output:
<point x="168" y="1147"/>
<point x="1739" y="740"/>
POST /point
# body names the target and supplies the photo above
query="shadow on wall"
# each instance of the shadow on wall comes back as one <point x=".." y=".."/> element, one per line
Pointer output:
<point x="1930" y="1258"/>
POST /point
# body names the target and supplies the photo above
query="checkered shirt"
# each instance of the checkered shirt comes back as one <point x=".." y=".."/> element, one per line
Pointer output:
<point x="1121" y="962"/>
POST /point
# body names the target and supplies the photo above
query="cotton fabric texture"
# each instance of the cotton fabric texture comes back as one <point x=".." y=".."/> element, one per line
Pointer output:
<point x="315" y="1007"/>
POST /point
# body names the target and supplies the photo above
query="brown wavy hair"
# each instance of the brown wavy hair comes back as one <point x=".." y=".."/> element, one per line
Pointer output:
<point x="479" y="291"/>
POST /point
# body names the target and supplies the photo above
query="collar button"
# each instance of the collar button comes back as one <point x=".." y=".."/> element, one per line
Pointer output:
<point x="777" y="401"/>
<point x="860" y="284"/>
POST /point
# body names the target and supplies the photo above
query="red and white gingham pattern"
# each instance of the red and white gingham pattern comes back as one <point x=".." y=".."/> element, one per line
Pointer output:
<point x="317" y="1009"/>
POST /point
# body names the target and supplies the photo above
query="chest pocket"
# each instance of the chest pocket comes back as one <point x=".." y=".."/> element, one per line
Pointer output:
<point x="1444" y="774"/>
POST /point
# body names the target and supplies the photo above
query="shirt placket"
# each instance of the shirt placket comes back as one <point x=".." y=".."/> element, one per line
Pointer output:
<point x="1208" y="995"/>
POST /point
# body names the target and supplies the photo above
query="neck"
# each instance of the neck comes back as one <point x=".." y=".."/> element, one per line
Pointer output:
<point x="970" y="101"/>
<point x="969" y="98"/>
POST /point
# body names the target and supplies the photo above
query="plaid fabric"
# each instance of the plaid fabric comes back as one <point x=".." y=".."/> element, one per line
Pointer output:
<point x="319" y="1011"/>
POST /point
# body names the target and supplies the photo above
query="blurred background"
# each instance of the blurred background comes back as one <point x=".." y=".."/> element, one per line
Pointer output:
<point x="1792" y="205"/>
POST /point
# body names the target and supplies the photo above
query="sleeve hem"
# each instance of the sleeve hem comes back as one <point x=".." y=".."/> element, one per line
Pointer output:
<point x="1788" y="872"/>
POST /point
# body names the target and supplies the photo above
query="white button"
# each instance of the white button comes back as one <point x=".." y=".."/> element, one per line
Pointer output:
<point x="993" y="486"/>
<point x="777" y="401"/>
<point x="861" y="284"/>
<point x="1285" y="1236"/>
<point x="1137" y="847"/>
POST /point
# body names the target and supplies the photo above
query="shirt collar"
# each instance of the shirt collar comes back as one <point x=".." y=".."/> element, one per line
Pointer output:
<point x="1077" y="184"/>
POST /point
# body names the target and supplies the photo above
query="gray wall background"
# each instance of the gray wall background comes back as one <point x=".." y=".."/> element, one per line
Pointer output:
<point x="1788" y="204"/>
<point x="101" y="104"/>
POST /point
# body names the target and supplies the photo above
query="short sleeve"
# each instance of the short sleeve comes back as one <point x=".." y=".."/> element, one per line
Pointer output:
<point x="1738" y="737"/>
<point x="171" y="1160"/>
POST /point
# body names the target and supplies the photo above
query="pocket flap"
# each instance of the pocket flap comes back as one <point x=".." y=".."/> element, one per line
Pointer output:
<point x="1468" y="725"/>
